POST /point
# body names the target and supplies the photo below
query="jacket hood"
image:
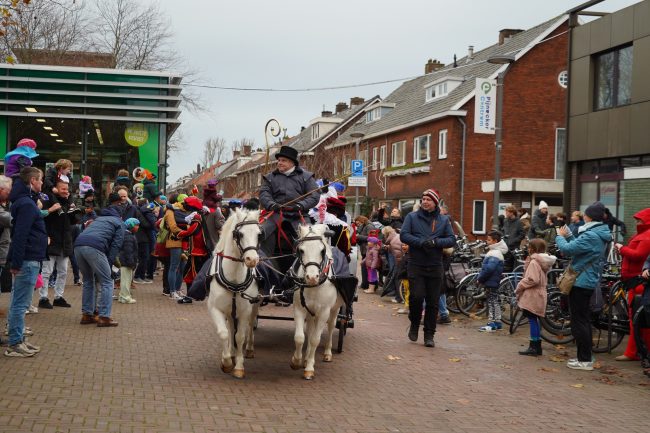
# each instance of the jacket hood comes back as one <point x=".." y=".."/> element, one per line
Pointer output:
<point x="499" y="246"/>
<point x="643" y="216"/>
<point x="546" y="261"/>
<point x="111" y="211"/>
<point x="600" y="229"/>
<point x="19" y="189"/>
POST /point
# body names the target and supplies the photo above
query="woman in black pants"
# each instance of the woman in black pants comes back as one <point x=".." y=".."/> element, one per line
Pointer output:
<point x="586" y="252"/>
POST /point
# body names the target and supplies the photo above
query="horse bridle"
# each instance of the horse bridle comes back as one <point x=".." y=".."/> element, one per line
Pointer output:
<point x="324" y="260"/>
<point x="236" y="234"/>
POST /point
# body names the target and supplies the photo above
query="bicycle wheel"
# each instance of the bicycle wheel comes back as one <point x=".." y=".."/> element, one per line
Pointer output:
<point x="516" y="318"/>
<point x="472" y="299"/>
<point x="342" y="317"/>
<point x="612" y="324"/>
<point x="556" y="323"/>
<point x="508" y="300"/>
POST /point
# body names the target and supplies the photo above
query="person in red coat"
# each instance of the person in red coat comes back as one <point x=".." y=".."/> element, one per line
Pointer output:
<point x="634" y="255"/>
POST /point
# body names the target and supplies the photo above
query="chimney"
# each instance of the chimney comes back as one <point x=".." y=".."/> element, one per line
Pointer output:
<point x="235" y="154"/>
<point x="432" y="66"/>
<point x="326" y="114"/>
<point x="356" y="101"/>
<point x="198" y="168"/>
<point x="341" y="106"/>
<point x="506" y="34"/>
<point x="246" y="150"/>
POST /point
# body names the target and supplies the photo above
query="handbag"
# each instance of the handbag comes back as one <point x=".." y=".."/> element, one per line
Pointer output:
<point x="567" y="279"/>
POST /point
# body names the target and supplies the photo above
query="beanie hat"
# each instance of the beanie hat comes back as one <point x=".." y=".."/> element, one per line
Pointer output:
<point x="337" y="203"/>
<point x="596" y="211"/>
<point x="212" y="183"/>
<point x="338" y="186"/>
<point x="163" y="197"/>
<point x="27" y="142"/>
<point x="131" y="222"/>
<point x="542" y="205"/>
<point x="181" y="198"/>
<point x="193" y="203"/>
<point x="113" y="197"/>
<point x="433" y="195"/>
<point x="373" y="240"/>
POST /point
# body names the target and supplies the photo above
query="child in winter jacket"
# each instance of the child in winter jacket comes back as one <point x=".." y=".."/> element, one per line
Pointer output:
<point x="490" y="277"/>
<point x="128" y="260"/>
<point x="372" y="264"/>
<point x="531" y="292"/>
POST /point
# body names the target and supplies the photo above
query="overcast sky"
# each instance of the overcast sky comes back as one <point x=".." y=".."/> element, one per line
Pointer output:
<point x="304" y="44"/>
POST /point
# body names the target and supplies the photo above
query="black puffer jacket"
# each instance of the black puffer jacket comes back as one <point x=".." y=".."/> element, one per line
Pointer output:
<point x="59" y="230"/>
<point x="279" y="188"/>
<point x="514" y="230"/>
<point x="129" y="251"/>
<point x="538" y="225"/>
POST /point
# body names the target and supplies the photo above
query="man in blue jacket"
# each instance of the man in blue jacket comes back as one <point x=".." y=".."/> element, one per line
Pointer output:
<point x="426" y="232"/>
<point x="26" y="253"/>
<point x="96" y="249"/>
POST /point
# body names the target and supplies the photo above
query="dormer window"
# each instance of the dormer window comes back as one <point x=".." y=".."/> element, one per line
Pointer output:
<point x="441" y="88"/>
<point x="374" y="114"/>
<point x="315" y="131"/>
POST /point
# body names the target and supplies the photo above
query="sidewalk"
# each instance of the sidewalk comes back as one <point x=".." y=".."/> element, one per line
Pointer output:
<point x="158" y="371"/>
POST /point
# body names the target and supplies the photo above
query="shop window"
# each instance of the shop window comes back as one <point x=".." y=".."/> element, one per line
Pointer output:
<point x="608" y="193"/>
<point x="613" y="78"/>
<point x="560" y="152"/>
<point x="478" y="217"/>
<point x="588" y="194"/>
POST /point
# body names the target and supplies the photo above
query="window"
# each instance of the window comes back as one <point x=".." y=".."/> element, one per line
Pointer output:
<point x="315" y="132"/>
<point x="563" y="79"/>
<point x="442" y="144"/>
<point x="397" y="158"/>
<point x="437" y="91"/>
<point x="421" y="148"/>
<point x="374" y="159"/>
<point x="560" y="152"/>
<point x="382" y="157"/>
<point x="613" y="78"/>
<point x="478" y="219"/>
<point x="374" y="114"/>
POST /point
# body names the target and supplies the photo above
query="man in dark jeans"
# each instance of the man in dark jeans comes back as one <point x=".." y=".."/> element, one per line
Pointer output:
<point x="426" y="232"/>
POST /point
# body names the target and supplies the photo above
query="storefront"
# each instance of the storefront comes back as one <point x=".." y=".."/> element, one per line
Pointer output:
<point x="103" y="120"/>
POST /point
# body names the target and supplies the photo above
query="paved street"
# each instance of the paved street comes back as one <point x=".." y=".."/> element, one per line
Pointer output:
<point x="158" y="372"/>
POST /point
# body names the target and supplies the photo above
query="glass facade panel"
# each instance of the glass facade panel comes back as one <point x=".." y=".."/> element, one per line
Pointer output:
<point x="588" y="194"/>
<point x="608" y="193"/>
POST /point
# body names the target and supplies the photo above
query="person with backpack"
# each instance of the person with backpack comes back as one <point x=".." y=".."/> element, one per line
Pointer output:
<point x="128" y="260"/>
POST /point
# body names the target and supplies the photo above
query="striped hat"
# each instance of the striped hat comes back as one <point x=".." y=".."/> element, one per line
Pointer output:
<point x="433" y="195"/>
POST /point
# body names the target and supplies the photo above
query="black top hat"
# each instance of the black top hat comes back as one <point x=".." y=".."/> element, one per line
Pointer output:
<point x="288" y="152"/>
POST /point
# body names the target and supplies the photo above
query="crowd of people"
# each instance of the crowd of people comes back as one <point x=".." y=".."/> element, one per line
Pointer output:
<point x="45" y="228"/>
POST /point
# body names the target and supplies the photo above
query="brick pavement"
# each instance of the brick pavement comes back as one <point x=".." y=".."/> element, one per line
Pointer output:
<point x="158" y="372"/>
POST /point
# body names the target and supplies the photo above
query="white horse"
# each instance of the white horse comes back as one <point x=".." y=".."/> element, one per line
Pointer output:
<point x="315" y="297"/>
<point x="233" y="288"/>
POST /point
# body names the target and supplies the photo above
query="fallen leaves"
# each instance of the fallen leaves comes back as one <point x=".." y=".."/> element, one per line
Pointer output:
<point x="577" y="385"/>
<point x="506" y="366"/>
<point x="454" y="359"/>
<point x="560" y="347"/>
<point x="463" y="401"/>
<point x="557" y="358"/>
<point x="184" y="319"/>
<point x="452" y="338"/>
<point x="474" y="317"/>
<point x="605" y="379"/>
<point x="548" y="370"/>
<point x="393" y="358"/>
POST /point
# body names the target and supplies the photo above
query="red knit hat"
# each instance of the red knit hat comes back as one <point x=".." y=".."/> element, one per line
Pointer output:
<point x="193" y="203"/>
<point x="433" y="195"/>
<point x="27" y="142"/>
<point x="333" y="202"/>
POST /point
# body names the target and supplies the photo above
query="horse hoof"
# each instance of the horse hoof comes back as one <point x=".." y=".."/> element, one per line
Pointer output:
<point x="296" y="365"/>
<point x="308" y="375"/>
<point x="250" y="354"/>
<point x="238" y="373"/>
<point x="227" y="369"/>
<point x="327" y="358"/>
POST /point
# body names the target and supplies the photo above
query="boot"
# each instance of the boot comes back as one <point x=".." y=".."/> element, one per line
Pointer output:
<point x="413" y="332"/>
<point x="532" y="349"/>
<point x="538" y="347"/>
<point x="105" y="322"/>
<point x="88" y="319"/>
<point x="428" y="339"/>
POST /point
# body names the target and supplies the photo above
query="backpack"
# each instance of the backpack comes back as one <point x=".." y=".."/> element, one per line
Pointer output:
<point x="163" y="233"/>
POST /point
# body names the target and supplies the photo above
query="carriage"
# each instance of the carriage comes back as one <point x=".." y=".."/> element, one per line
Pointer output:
<point x="320" y="296"/>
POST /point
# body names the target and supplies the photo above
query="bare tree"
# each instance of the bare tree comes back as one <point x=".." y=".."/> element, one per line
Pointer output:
<point x="244" y="141"/>
<point x="214" y="149"/>
<point x="55" y="27"/>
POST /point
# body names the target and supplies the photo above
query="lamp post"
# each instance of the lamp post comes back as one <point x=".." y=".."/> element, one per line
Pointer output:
<point x="502" y="59"/>
<point x="357" y="138"/>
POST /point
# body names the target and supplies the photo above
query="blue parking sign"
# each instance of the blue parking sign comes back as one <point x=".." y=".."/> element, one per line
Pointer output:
<point x="357" y="167"/>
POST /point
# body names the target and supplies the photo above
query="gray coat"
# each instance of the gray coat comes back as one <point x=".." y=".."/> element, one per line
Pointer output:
<point x="514" y="230"/>
<point x="5" y="238"/>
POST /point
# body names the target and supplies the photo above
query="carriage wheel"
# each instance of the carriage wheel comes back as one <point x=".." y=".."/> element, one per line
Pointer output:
<point x="343" y="325"/>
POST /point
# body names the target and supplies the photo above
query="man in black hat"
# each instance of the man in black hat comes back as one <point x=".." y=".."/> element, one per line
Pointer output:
<point x="289" y="191"/>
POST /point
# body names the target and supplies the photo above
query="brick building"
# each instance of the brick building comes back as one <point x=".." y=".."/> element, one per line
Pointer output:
<point x="422" y="134"/>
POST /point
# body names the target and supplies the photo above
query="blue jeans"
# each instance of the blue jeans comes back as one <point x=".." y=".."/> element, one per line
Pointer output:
<point x="175" y="274"/>
<point x="94" y="267"/>
<point x="442" y="306"/>
<point x="21" y="299"/>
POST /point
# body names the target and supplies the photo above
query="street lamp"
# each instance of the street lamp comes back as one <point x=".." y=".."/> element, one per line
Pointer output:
<point x="357" y="138"/>
<point x="499" y="59"/>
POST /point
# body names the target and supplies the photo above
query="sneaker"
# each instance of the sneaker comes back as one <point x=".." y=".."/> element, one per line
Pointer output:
<point x="428" y="340"/>
<point x="444" y="320"/>
<point x="175" y="296"/>
<point x="403" y="311"/>
<point x="127" y="301"/>
<point x="185" y="300"/>
<point x="18" y="351"/>
<point x="490" y="327"/>
<point x="32" y="347"/>
<point x="138" y="281"/>
<point x="77" y="283"/>
<point x="32" y="310"/>
<point x="580" y="365"/>
<point x="61" y="302"/>
<point x="45" y="303"/>
<point x="497" y="326"/>
<point x="148" y="281"/>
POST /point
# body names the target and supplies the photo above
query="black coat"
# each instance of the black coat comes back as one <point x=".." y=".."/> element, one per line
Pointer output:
<point x="281" y="189"/>
<point x="514" y="230"/>
<point x="147" y="223"/>
<point x="59" y="230"/>
<point x="129" y="251"/>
